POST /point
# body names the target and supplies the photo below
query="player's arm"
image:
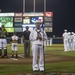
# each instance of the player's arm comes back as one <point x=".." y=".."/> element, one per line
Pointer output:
<point x="17" y="39"/>
<point x="63" y="37"/>
<point x="39" y="37"/>
<point x="10" y="41"/>
<point x="23" y="38"/>
<point x="45" y="36"/>
<point x="31" y="36"/>
<point x="6" y="33"/>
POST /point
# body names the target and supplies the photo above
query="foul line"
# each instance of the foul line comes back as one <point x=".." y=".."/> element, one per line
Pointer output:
<point x="21" y="56"/>
<point x="13" y="58"/>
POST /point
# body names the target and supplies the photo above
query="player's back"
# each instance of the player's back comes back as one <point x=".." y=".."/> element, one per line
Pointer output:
<point x="65" y="35"/>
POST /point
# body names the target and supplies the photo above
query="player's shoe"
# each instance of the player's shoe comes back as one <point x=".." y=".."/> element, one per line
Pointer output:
<point x="12" y="56"/>
<point x="6" y="56"/>
<point x="2" y="56"/>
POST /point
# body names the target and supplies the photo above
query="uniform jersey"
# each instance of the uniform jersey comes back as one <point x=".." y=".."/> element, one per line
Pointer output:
<point x="35" y="33"/>
<point x="74" y="38"/>
<point x="14" y="39"/>
<point x="3" y="33"/>
<point x="70" y="38"/>
<point x="65" y="35"/>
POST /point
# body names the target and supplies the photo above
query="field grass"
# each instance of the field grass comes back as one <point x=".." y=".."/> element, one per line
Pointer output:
<point x="69" y="66"/>
<point x="62" y="67"/>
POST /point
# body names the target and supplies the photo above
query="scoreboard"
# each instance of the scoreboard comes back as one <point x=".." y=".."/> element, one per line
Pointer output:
<point x="29" y="19"/>
<point x="48" y="21"/>
<point x="17" y="22"/>
<point x="7" y="20"/>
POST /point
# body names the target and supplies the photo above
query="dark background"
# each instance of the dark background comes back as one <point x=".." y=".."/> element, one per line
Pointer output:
<point x="63" y="12"/>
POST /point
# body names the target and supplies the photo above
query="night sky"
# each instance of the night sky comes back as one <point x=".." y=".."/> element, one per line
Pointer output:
<point x="63" y="12"/>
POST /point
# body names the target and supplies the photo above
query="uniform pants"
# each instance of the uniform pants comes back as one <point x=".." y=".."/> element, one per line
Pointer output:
<point x="74" y="45"/>
<point x="26" y="48"/>
<point x="38" y="50"/>
<point x="65" y="44"/>
<point x="70" y="46"/>
<point x="14" y="46"/>
<point x="3" y="43"/>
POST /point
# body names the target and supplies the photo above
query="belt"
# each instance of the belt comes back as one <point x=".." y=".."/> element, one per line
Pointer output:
<point x="39" y="44"/>
<point x="34" y="40"/>
<point x="14" y="42"/>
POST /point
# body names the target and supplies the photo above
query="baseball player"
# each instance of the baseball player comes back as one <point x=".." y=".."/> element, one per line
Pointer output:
<point x="3" y="41"/>
<point x="70" y="41"/>
<point x="74" y="41"/>
<point x="14" y="44"/>
<point x="38" y="36"/>
<point x="65" y="40"/>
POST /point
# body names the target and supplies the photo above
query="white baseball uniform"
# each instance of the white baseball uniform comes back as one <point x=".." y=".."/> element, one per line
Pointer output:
<point x="37" y="46"/>
<point x="70" y="42"/>
<point x="65" y="40"/>
<point x="14" y="43"/>
<point x="74" y="41"/>
<point x="3" y="43"/>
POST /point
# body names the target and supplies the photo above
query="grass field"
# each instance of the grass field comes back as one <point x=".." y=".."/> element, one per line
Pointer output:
<point x="53" y="51"/>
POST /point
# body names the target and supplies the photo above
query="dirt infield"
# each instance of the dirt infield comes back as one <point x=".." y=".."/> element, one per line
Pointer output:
<point x="49" y="58"/>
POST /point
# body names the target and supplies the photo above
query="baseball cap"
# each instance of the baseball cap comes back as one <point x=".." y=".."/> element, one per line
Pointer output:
<point x="65" y="30"/>
<point x="69" y="32"/>
<point x="72" y="32"/>
<point x="38" y="21"/>
<point x="27" y="27"/>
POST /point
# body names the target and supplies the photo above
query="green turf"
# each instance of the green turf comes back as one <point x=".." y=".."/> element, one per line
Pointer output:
<point x="49" y="48"/>
<point x="63" y="67"/>
<point x="57" y="49"/>
<point x="67" y="53"/>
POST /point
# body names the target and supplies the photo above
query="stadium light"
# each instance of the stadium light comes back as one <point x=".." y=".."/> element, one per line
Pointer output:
<point x="34" y="6"/>
<point x="44" y="5"/>
<point x="24" y="6"/>
<point x="34" y="1"/>
<point x="0" y="10"/>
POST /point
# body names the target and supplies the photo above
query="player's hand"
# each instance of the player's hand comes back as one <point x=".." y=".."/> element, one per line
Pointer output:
<point x="23" y="41"/>
<point x="39" y="37"/>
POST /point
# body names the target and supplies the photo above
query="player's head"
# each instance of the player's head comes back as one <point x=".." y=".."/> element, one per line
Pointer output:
<point x="69" y="33"/>
<point x="2" y="26"/>
<point x="73" y="33"/>
<point x="27" y="27"/>
<point x="65" y="30"/>
<point x="38" y="23"/>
